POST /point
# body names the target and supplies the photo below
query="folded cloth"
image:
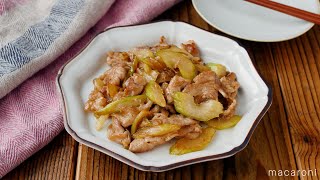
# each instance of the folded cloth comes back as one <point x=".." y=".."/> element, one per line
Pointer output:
<point x="33" y="33"/>
<point x="31" y="114"/>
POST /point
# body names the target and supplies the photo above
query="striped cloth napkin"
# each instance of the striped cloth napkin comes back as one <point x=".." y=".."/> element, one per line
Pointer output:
<point x="33" y="34"/>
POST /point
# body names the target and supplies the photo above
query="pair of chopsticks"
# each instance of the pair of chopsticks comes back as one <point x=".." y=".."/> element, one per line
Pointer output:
<point x="308" y="16"/>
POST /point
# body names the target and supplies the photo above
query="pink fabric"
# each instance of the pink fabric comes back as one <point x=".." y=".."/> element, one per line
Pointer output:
<point x="7" y="5"/>
<point x="31" y="115"/>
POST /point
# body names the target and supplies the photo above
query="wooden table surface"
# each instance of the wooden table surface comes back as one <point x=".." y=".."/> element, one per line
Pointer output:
<point x="288" y="137"/>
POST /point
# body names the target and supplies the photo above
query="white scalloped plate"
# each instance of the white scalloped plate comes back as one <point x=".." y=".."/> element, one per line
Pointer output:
<point x="249" y="21"/>
<point x="75" y="83"/>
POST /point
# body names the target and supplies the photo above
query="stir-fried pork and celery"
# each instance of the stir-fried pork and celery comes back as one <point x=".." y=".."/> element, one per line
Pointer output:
<point x="155" y="94"/>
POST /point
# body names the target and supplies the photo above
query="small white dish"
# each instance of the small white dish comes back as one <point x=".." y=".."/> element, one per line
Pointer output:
<point x="253" y="22"/>
<point x="75" y="83"/>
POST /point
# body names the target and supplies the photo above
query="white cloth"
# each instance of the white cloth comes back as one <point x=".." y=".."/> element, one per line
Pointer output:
<point x="33" y="33"/>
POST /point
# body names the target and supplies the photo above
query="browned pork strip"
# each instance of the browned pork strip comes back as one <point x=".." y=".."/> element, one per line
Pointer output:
<point x="202" y="92"/>
<point x="191" y="47"/>
<point x="148" y="143"/>
<point x="176" y="84"/>
<point x="114" y="75"/>
<point x="96" y="101"/>
<point x="118" y="134"/>
<point x="134" y="85"/>
<point x="119" y="95"/>
<point x="229" y="112"/>
<point x="126" y="116"/>
<point x="165" y="76"/>
<point x="205" y="87"/>
<point x="230" y="85"/>
<point x="145" y="106"/>
<point x="118" y="59"/>
<point x="159" y="118"/>
<point x="191" y="131"/>
<point x="207" y="76"/>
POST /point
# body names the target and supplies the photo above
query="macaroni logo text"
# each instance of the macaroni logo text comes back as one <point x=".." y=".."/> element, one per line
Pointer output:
<point x="287" y="173"/>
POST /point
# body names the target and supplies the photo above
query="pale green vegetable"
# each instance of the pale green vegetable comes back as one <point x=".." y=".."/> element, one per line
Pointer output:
<point x="98" y="83"/>
<point x="147" y="57"/>
<point x="134" y="66"/>
<point x="155" y="93"/>
<point x="116" y="106"/>
<point x="146" y="68"/>
<point x="112" y="90"/>
<point x="185" y="145"/>
<point x="153" y="63"/>
<point x="184" y="104"/>
<point x="187" y="69"/>
<point x="224" y="124"/>
<point x="143" y="53"/>
<point x="219" y="69"/>
<point x="100" y="121"/>
<point x="148" y="73"/>
<point x="138" y="120"/>
<point x="158" y="130"/>
<point x="179" y="50"/>
<point x="202" y="68"/>
<point x="152" y="76"/>
<point x="178" y="60"/>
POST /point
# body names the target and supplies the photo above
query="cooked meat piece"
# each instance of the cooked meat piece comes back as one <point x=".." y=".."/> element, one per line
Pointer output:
<point x="170" y="108"/>
<point x="230" y="85"/>
<point x="164" y="86"/>
<point x="151" y="76"/>
<point x="134" y="85"/>
<point x="165" y="75"/>
<point x="191" y="47"/>
<point x="165" y="112"/>
<point x="96" y="101"/>
<point x="145" y="106"/>
<point x="229" y="112"/>
<point x="121" y="59"/>
<point x="145" y="122"/>
<point x="161" y="45"/>
<point x="231" y="109"/>
<point x="205" y="87"/>
<point x="191" y="131"/>
<point x="148" y="143"/>
<point x="159" y="118"/>
<point x="163" y="40"/>
<point x="119" y="95"/>
<point x="114" y="75"/>
<point x="118" y="134"/>
<point x="155" y="109"/>
<point x="176" y="84"/>
<point x="159" y="110"/>
<point x="207" y="76"/>
<point x="126" y="116"/>
<point x="202" y="92"/>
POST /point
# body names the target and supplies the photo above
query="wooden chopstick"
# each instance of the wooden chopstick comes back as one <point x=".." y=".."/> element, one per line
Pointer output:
<point x="308" y="16"/>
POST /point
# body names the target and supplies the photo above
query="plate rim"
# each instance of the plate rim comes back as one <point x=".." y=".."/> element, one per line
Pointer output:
<point x="173" y="165"/>
<point x="249" y="39"/>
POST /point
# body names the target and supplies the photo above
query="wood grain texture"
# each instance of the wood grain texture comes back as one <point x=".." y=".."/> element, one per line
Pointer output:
<point x="57" y="160"/>
<point x="298" y="67"/>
